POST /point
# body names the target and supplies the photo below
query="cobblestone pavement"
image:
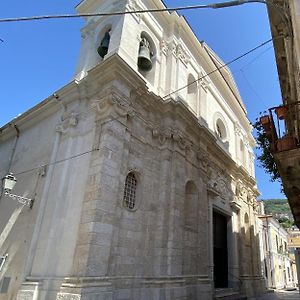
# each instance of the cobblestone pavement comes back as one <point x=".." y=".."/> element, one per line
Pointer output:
<point x="281" y="295"/>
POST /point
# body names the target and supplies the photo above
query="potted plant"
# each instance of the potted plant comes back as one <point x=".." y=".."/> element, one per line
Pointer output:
<point x="287" y="142"/>
<point x="265" y="150"/>
<point x="265" y="122"/>
<point x="281" y="112"/>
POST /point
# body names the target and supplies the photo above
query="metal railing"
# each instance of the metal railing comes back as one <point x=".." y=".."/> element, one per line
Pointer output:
<point x="282" y="126"/>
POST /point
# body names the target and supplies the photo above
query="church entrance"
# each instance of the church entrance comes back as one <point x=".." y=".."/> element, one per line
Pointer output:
<point x="220" y="250"/>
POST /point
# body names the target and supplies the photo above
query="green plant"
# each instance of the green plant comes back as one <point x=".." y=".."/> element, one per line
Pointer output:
<point x="264" y="155"/>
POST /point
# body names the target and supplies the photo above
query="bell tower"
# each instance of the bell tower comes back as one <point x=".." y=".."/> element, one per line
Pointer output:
<point x="136" y="38"/>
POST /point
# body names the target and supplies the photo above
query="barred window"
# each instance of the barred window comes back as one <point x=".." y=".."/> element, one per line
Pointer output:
<point x="130" y="191"/>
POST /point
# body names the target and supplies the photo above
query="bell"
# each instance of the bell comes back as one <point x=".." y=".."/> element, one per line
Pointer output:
<point x="144" y="58"/>
<point x="103" y="48"/>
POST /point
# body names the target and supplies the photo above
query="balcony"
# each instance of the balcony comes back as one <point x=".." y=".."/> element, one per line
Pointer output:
<point x="281" y="128"/>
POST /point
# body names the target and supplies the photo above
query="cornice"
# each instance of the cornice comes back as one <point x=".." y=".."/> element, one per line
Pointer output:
<point x="37" y="113"/>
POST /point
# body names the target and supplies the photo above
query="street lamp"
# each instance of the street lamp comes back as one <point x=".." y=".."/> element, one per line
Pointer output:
<point x="8" y="183"/>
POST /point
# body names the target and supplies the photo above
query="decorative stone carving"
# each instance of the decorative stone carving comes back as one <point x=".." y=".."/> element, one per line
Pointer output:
<point x="112" y="103"/>
<point x="203" y="81"/>
<point x="67" y="296"/>
<point x="173" y="48"/>
<point x="203" y="158"/>
<point x="237" y="129"/>
<point x="182" y="54"/>
<point x="219" y="184"/>
<point x="164" y="47"/>
<point x="68" y="122"/>
<point x="172" y="134"/>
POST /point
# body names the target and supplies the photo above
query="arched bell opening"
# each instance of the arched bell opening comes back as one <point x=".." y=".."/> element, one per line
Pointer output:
<point x="146" y="61"/>
<point x="104" y="41"/>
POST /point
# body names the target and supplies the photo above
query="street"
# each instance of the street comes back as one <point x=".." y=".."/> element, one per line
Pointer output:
<point x="281" y="295"/>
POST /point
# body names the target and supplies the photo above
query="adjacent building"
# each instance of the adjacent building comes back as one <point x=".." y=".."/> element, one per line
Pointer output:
<point x="278" y="265"/>
<point x="141" y="171"/>
<point x="285" y="26"/>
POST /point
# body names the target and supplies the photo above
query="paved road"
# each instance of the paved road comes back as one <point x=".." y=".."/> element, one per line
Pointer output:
<point x="281" y="295"/>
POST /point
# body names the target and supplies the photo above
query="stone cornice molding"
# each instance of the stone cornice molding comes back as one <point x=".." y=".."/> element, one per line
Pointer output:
<point x="235" y="206"/>
<point x="173" y="134"/>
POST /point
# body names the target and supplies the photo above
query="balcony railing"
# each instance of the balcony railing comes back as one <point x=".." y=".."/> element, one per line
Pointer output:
<point x="281" y="126"/>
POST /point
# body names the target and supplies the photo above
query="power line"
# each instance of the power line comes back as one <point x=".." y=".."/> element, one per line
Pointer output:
<point x="224" y="65"/>
<point x="171" y="9"/>
<point x="67" y="158"/>
<point x="252" y="88"/>
<point x="255" y="58"/>
<point x="56" y="162"/>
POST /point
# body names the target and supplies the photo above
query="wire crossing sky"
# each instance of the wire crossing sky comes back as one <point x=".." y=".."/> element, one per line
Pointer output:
<point x="38" y="58"/>
<point x="117" y="13"/>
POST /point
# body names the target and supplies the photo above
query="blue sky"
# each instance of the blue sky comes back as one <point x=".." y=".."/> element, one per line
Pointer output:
<point x="37" y="58"/>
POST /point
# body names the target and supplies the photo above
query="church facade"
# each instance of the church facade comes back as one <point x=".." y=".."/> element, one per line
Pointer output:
<point x="141" y="170"/>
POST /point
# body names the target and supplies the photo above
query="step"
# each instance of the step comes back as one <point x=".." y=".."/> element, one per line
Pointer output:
<point x="228" y="294"/>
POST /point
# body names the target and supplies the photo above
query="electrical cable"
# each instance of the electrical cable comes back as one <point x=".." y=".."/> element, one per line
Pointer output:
<point x="68" y="158"/>
<point x="252" y="88"/>
<point x="96" y="149"/>
<point x="171" y="9"/>
<point x="223" y="66"/>
<point x="56" y="162"/>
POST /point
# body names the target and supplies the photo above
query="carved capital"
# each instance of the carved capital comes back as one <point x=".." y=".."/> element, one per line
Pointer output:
<point x="164" y="47"/>
<point x="240" y="190"/>
<point x="164" y="134"/>
<point x="111" y="104"/>
<point x="237" y="129"/>
<point x="203" y="159"/>
<point x="68" y="122"/>
<point x="182" y="54"/>
<point x="203" y="81"/>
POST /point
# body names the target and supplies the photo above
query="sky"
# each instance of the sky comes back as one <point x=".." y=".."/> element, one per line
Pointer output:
<point x="39" y="57"/>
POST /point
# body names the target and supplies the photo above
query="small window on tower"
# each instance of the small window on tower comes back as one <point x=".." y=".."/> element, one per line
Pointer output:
<point x="129" y="198"/>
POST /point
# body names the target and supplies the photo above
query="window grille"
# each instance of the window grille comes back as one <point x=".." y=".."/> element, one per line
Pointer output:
<point x="130" y="191"/>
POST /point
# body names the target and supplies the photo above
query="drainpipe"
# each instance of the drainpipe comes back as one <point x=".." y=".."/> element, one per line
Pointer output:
<point x="44" y="196"/>
<point x="14" y="147"/>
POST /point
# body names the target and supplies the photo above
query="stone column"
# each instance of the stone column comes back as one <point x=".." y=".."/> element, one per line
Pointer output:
<point x="234" y="274"/>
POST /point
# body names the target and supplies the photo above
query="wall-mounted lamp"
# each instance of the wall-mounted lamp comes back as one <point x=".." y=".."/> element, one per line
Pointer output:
<point x="2" y="260"/>
<point x="8" y="183"/>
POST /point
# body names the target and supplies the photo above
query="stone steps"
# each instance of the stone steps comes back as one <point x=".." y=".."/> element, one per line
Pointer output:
<point x="228" y="294"/>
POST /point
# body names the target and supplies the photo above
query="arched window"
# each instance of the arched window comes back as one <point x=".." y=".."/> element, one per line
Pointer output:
<point x="129" y="198"/>
<point x="146" y="60"/>
<point x="104" y="44"/>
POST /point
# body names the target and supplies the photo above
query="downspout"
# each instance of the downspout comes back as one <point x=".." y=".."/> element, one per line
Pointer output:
<point x="44" y="196"/>
<point x="14" y="147"/>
